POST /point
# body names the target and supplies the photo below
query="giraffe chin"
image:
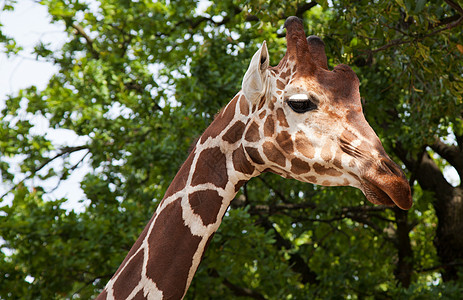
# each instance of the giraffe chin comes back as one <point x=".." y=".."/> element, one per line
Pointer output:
<point x="390" y="193"/>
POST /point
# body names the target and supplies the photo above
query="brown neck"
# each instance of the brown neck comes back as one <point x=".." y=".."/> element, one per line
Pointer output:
<point x="166" y="255"/>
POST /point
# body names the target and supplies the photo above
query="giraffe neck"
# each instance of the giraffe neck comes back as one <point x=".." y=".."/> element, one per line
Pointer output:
<point x="162" y="262"/>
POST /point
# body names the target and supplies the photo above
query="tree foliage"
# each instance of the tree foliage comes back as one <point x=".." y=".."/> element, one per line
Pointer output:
<point x="140" y="80"/>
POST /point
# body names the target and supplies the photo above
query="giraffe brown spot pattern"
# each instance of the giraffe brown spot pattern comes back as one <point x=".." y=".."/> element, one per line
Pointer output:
<point x="271" y="105"/>
<point x="294" y="69"/>
<point x="322" y="170"/>
<point x="206" y="204"/>
<point x="262" y="102"/>
<point x="312" y="179"/>
<point x="103" y="295"/>
<point x="211" y="168"/>
<point x="285" y="75"/>
<point x="285" y="142"/>
<point x="273" y="154"/>
<point x="281" y="117"/>
<point x="252" y="134"/>
<point x="221" y="121"/>
<point x="254" y="155"/>
<point x="304" y="146"/>
<point x="172" y="247"/>
<point x="140" y="295"/>
<point x="124" y="285"/>
<point x="269" y="126"/>
<point x="337" y="161"/>
<point x="279" y="171"/>
<point x="241" y="163"/>
<point x="132" y="251"/>
<point x="181" y="178"/>
<point x="239" y="184"/>
<point x="234" y="133"/>
<point x="244" y="105"/>
<point x="253" y="109"/>
<point x="298" y="166"/>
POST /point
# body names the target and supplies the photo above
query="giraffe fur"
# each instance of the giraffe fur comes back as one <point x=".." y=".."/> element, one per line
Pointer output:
<point x="299" y="120"/>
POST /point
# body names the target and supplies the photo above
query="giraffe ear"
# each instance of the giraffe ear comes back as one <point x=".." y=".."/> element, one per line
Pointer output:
<point x="255" y="79"/>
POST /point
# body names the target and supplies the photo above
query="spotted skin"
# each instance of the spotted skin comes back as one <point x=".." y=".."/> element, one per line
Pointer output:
<point x="259" y="132"/>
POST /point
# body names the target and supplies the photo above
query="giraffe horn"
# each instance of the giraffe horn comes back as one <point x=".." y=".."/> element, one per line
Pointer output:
<point x="317" y="51"/>
<point x="297" y="46"/>
<point x="309" y="53"/>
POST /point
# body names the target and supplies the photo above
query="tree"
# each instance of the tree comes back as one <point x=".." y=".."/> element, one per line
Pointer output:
<point x="140" y="80"/>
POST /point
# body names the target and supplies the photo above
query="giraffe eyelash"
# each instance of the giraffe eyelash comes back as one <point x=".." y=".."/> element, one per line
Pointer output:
<point x="301" y="103"/>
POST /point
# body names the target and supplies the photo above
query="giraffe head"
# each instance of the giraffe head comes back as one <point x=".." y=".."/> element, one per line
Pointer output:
<point x="306" y="122"/>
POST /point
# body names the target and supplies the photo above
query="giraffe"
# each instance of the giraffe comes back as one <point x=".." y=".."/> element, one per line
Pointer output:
<point x="299" y="120"/>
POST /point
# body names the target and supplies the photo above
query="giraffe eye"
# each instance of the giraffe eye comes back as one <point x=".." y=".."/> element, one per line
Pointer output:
<point x="301" y="104"/>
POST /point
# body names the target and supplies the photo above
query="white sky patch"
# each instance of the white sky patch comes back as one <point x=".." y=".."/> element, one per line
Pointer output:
<point x="449" y="172"/>
<point x="29" y="24"/>
<point x="203" y="6"/>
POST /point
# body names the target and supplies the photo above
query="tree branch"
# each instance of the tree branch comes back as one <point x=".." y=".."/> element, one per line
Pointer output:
<point x="277" y="192"/>
<point x="275" y="208"/>
<point x="455" y="6"/>
<point x="196" y="22"/>
<point x="425" y="170"/>
<point x="447" y="206"/>
<point x="63" y="176"/>
<point x="304" y="7"/>
<point x="404" y="267"/>
<point x="459" y="139"/>
<point x="89" y="40"/>
<point x="64" y="151"/>
<point x="447" y="24"/>
<point x="450" y="153"/>
<point x="441" y="266"/>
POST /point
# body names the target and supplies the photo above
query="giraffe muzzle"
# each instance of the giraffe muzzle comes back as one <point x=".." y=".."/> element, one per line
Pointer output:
<point x="387" y="185"/>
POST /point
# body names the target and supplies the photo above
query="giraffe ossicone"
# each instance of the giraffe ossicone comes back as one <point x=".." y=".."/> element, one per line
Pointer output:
<point x="299" y="120"/>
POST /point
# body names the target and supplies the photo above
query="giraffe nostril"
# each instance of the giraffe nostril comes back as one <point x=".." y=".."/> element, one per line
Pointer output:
<point x="391" y="166"/>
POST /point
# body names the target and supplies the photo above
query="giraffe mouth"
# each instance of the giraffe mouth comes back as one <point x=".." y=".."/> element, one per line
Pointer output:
<point x="387" y="190"/>
<point x="375" y="195"/>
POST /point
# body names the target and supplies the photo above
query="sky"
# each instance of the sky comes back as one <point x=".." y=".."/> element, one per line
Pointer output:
<point x="28" y="24"/>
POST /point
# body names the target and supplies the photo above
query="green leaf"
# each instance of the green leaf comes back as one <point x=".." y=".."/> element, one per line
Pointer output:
<point x="420" y="4"/>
